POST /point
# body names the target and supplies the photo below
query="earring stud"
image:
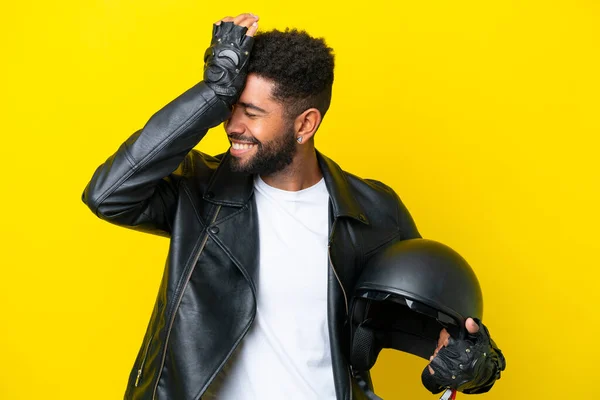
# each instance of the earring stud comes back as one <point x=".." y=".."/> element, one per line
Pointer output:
<point x="299" y="139"/>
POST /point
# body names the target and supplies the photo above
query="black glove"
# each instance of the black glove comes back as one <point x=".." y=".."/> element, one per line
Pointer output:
<point x="470" y="366"/>
<point x="226" y="61"/>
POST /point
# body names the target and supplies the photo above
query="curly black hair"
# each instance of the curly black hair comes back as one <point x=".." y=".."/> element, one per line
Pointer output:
<point x="300" y="65"/>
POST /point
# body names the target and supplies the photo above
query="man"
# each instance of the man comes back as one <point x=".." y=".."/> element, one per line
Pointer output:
<point x="266" y="240"/>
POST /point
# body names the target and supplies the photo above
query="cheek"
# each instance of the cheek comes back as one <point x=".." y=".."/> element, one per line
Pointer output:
<point x="264" y="131"/>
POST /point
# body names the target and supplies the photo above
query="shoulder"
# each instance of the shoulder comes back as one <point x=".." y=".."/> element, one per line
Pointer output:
<point x="371" y="193"/>
<point x="382" y="205"/>
<point x="370" y="187"/>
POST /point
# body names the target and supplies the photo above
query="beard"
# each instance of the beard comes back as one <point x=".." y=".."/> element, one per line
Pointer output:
<point x="270" y="157"/>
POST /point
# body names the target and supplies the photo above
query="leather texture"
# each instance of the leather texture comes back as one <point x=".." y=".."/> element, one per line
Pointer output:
<point x="226" y="60"/>
<point x="157" y="183"/>
<point x="469" y="366"/>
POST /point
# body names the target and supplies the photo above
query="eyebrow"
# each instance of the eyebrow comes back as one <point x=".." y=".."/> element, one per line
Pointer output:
<point x="252" y="106"/>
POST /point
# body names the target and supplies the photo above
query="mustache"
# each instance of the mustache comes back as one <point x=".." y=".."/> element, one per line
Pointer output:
<point x="241" y="138"/>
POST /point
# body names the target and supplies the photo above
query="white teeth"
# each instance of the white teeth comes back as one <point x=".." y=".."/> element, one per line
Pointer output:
<point x="241" y="146"/>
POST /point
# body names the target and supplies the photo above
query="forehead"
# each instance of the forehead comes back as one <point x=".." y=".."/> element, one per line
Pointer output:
<point x="258" y="91"/>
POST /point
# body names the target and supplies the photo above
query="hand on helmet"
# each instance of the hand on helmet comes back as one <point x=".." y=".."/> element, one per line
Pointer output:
<point x="472" y="328"/>
<point x="470" y="365"/>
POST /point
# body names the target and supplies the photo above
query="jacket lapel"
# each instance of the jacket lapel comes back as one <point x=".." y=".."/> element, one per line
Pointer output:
<point x="239" y="228"/>
<point x="228" y="188"/>
<point x="237" y="224"/>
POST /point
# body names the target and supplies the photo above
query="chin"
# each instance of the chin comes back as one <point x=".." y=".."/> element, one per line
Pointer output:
<point x="238" y="165"/>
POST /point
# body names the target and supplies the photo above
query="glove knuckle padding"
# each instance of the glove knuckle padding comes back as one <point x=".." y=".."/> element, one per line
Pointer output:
<point x="457" y="364"/>
<point x="226" y="60"/>
<point x="465" y="365"/>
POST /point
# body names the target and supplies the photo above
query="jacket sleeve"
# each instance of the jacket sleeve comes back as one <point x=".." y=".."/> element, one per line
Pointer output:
<point x="136" y="187"/>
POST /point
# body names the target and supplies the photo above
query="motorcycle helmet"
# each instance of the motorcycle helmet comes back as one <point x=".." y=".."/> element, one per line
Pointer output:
<point x="406" y="293"/>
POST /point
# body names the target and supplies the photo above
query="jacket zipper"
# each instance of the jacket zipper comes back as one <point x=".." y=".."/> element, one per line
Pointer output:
<point x="345" y="303"/>
<point x="139" y="372"/>
<point x="187" y="279"/>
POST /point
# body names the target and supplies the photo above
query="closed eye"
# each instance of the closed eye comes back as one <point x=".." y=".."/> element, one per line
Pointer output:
<point x="249" y="106"/>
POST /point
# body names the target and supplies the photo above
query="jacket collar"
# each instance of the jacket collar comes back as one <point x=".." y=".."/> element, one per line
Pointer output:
<point x="234" y="189"/>
<point x="342" y="198"/>
<point x="229" y="188"/>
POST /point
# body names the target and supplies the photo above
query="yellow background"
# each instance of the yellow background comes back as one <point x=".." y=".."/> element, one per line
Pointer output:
<point x="483" y="115"/>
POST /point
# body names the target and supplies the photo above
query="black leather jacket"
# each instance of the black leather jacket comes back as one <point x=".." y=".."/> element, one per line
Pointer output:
<point x="157" y="183"/>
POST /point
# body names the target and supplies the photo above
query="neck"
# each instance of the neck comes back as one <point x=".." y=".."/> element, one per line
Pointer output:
<point x="302" y="173"/>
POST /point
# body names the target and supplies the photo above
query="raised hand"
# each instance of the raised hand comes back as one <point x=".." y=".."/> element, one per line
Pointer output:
<point x="226" y="60"/>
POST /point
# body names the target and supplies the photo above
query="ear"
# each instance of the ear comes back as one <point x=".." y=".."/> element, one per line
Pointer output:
<point x="307" y="123"/>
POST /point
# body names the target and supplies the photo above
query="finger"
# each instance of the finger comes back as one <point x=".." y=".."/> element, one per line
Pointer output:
<point x="245" y="19"/>
<point x="249" y="21"/>
<point x="443" y="339"/>
<point x="226" y="19"/>
<point x="252" y="29"/>
<point x="431" y="371"/>
<point x="471" y="326"/>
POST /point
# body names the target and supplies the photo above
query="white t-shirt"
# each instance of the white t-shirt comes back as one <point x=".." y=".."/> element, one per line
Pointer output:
<point x="286" y="352"/>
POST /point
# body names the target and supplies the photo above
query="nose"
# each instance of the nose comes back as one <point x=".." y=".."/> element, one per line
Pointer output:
<point x="235" y="123"/>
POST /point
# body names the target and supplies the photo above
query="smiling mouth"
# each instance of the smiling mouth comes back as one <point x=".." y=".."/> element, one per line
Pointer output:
<point x="242" y="146"/>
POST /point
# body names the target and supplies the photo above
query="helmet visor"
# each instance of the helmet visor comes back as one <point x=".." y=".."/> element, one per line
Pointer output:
<point x="407" y="325"/>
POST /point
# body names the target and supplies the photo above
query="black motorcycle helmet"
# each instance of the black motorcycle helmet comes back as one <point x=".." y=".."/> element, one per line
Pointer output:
<point x="405" y="295"/>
